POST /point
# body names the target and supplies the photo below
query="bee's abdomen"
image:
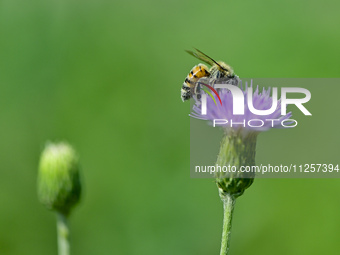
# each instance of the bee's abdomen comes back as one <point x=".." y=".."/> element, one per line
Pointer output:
<point x="196" y="73"/>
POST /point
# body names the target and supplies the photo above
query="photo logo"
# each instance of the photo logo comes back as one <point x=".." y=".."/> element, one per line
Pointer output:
<point x="244" y="104"/>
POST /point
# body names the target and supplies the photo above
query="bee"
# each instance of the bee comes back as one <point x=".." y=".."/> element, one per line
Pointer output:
<point x="218" y="70"/>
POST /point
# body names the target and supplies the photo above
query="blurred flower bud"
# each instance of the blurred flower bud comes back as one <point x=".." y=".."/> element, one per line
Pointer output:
<point x="59" y="184"/>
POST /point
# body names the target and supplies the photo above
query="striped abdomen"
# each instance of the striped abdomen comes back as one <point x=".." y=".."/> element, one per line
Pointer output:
<point x="195" y="74"/>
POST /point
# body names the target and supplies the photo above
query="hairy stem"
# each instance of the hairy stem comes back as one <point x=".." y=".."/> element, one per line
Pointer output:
<point x="63" y="234"/>
<point x="228" y="207"/>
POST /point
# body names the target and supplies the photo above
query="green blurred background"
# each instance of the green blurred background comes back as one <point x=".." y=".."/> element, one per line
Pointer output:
<point x="106" y="76"/>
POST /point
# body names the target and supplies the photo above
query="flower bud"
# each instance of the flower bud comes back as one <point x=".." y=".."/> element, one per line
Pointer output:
<point x="236" y="150"/>
<point x="59" y="184"/>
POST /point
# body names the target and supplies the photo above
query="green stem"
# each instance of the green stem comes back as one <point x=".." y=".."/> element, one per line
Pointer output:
<point x="228" y="207"/>
<point x="63" y="234"/>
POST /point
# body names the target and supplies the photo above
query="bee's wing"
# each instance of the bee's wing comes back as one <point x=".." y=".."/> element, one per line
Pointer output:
<point x="201" y="56"/>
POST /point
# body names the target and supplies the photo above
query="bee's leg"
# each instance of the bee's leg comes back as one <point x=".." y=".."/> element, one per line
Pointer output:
<point x="197" y="91"/>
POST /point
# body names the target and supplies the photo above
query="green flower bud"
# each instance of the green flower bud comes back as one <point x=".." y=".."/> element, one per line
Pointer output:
<point x="236" y="150"/>
<point x="59" y="184"/>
